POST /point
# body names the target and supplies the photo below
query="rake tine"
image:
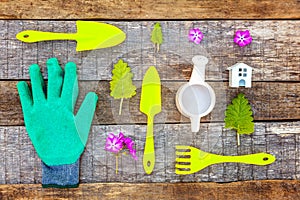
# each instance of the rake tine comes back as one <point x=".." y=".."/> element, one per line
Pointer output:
<point x="183" y="150"/>
<point x="182" y="147"/>
<point x="182" y="166"/>
<point x="179" y="172"/>
<point x="179" y="153"/>
<point x="183" y="159"/>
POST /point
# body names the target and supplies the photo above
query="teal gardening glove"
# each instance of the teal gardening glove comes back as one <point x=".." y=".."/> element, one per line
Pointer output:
<point x="58" y="135"/>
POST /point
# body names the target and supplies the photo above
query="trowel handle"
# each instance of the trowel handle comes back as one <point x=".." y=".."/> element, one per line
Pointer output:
<point x="198" y="73"/>
<point x="149" y="153"/>
<point x="30" y="36"/>
<point x="195" y="123"/>
<point x="255" y="159"/>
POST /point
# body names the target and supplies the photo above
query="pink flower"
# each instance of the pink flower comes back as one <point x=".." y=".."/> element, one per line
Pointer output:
<point x="121" y="137"/>
<point x="129" y="144"/>
<point x="195" y="35"/>
<point x="242" y="38"/>
<point x="113" y="143"/>
<point x="133" y="153"/>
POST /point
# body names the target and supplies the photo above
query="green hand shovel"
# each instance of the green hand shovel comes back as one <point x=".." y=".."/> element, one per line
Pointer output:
<point x="89" y="36"/>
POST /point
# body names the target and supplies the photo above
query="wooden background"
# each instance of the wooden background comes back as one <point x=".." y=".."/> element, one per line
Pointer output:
<point x="274" y="97"/>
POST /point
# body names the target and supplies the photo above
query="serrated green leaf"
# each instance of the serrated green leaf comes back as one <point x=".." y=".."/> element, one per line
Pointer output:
<point x="156" y="35"/>
<point x="238" y="116"/>
<point x="121" y="84"/>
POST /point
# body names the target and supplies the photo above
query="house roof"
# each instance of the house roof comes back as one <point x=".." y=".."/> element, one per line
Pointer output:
<point x="239" y="65"/>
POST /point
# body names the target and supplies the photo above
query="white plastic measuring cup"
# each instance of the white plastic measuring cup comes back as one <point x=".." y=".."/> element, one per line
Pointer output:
<point x="196" y="98"/>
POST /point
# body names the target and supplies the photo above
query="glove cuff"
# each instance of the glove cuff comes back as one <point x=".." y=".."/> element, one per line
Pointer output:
<point x="60" y="176"/>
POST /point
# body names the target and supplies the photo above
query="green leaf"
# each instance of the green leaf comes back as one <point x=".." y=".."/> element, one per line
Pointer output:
<point x="156" y="35"/>
<point x="121" y="84"/>
<point x="238" y="116"/>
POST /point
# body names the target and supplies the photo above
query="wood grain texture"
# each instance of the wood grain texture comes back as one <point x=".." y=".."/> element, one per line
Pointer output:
<point x="266" y="104"/>
<point x="274" y="53"/>
<point x="247" y="190"/>
<point x="142" y="9"/>
<point x="20" y="164"/>
<point x="274" y="97"/>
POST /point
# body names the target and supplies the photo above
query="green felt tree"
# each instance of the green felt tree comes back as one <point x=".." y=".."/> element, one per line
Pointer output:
<point x="156" y="36"/>
<point x="121" y="84"/>
<point x="238" y="116"/>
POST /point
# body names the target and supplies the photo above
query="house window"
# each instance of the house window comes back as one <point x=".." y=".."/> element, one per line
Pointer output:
<point x="242" y="72"/>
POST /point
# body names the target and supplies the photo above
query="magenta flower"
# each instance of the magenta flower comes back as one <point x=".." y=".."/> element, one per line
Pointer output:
<point x="113" y="143"/>
<point x="121" y="137"/>
<point x="242" y="38"/>
<point x="129" y="144"/>
<point x="133" y="153"/>
<point x="195" y="35"/>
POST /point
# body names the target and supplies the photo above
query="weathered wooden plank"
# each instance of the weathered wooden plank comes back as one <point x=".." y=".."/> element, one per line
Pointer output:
<point x="3" y="157"/>
<point x="245" y="172"/>
<point x="21" y="164"/>
<point x="274" y="53"/>
<point x="27" y="155"/>
<point x="248" y="190"/>
<point x="166" y="9"/>
<point x="297" y="136"/>
<point x="288" y="168"/>
<point x="269" y="101"/>
<point x="259" y="144"/>
<point x="272" y="142"/>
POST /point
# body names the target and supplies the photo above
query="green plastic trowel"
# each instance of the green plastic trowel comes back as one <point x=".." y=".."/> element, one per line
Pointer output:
<point x="150" y="105"/>
<point x="89" y="36"/>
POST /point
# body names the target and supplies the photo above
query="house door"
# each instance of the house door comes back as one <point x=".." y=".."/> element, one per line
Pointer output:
<point x="242" y="82"/>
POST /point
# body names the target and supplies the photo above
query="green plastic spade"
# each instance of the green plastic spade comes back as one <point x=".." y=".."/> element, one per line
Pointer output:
<point x="150" y="105"/>
<point x="89" y="36"/>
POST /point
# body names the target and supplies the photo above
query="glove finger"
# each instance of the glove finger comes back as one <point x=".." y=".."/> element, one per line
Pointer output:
<point x="37" y="83"/>
<point x="84" y="116"/>
<point x="55" y="79"/>
<point x="25" y="95"/>
<point x="70" y="86"/>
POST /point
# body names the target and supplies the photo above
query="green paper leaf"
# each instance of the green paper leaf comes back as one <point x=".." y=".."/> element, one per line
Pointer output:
<point x="238" y="116"/>
<point x="121" y="84"/>
<point x="156" y="35"/>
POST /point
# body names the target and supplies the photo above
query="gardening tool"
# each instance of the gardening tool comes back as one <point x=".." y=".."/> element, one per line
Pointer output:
<point x="196" y="98"/>
<point x="190" y="159"/>
<point x="150" y="105"/>
<point x="90" y="35"/>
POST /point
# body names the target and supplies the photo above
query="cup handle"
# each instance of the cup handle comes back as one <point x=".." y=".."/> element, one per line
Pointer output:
<point x="195" y="123"/>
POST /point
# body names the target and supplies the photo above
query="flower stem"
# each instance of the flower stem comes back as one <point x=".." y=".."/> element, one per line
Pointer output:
<point x="116" y="164"/>
<point x="120" y="108"/>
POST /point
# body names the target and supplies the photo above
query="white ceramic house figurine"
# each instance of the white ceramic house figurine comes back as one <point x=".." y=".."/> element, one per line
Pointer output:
<point x="240" y="74"/>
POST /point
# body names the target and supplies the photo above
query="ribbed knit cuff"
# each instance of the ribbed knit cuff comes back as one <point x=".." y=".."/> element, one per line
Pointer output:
<point x="60" y="176"/>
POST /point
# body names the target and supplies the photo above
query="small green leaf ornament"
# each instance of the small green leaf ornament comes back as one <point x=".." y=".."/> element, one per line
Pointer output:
<point x="238" y="116"/>
<point x="156" y="36"/>
<point x="121" y="84"/>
